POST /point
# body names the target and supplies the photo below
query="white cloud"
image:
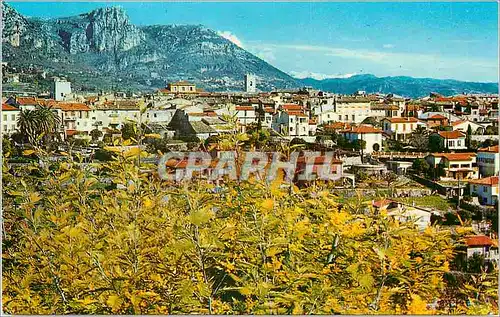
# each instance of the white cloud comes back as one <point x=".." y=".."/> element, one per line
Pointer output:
<point x="318" y="76"/>
<point x="389" y="58"/>
<point x="231" y="37"/>
<point x="388" y="46"/>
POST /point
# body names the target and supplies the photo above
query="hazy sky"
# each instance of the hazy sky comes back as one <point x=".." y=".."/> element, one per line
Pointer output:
<point x="439" y="40"/>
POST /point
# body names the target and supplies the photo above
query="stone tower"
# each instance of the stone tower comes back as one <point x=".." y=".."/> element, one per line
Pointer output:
<point x="250" y="83"/>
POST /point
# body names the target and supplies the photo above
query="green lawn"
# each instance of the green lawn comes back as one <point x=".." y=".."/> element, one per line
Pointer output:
<point x="435" y="201"/>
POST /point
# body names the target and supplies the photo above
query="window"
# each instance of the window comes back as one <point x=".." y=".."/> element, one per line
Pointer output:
<point x="13" y="117"/>
<point x="459" y="142"/>
<point x="485" y="189"/>
<point x="4" y="117"/>
<point x="5" y="127"/>
<point x="13" y="127"/>
<point x="353" y="118"/>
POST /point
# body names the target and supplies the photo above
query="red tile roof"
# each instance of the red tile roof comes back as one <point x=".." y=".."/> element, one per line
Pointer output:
<point x="6" y="107"/>
<point x="478" y="241"/>
<point x="492" y="181"/>
<point x="291" y="107"/>
<point x="437" y="117"/>
<point x="451" y="134"/>
<point x="381" y="203"/>
<point x="242" y="108"/>
<point x="456" y="156"/>
<point x="457" y="122"/>
<point x="71" y="132"/>
<point x="74" y="106"/>
<point x="26" y="101"/>
<point x="296" y="113"/>
<point x="402" y="120"/>
<point x="492" y="149"/>
<point x="363" y="130"/>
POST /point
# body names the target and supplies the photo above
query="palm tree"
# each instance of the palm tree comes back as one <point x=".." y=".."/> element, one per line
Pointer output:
<point x="419" y="139"/>
<point x="27" y="123"/>
<point x="39" y="124"/>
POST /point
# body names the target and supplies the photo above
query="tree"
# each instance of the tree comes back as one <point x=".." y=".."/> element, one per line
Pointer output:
<point x="419" y="139"/>
<point x="40" y="125"/>
<point x="436" y="143"/>
<point x="468" y="137"/>
<point x="490" y="130"/>
<point x="420" y="166"/>
<point x="129" y="131"/>
<point x="254" y="248"/>
<point x="96" y="134"/>
<point x="359" y="144"/>
<point x="6" y="146"/>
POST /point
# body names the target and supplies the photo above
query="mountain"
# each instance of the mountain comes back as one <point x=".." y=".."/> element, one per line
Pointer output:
<point x="400" y="85"/>
<point x="103" y="49"/>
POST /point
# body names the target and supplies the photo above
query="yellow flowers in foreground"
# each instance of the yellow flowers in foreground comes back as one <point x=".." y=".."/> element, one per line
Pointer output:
<point x="87" y="247"/>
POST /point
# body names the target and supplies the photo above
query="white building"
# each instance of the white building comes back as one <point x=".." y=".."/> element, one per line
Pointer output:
<point x="10" y="114"/>
<point x="369" y="134"/>
<point x="245" y="114"/>
<point x="486" y="189"/>
<point x="488" y="161"/>
<point x="291" y="120"/>
<point x="453" y="140"/>
<point x="399" y="128"/>
<point x="482" y="245"/>
<point x="250" y="83"/>
<point x="352" y="110"/>
<point x="61" y="89"/>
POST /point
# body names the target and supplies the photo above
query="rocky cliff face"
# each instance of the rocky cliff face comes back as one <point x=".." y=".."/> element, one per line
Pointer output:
<point x="102" y="30"/>
<point x="103" y="46"/>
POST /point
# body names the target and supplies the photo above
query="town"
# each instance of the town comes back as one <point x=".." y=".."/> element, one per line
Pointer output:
<point x="432" y="160"/>
<point x="426" y="156"/>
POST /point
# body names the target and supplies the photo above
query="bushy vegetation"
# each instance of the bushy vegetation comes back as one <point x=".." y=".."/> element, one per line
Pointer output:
<point x="144" y="246"/>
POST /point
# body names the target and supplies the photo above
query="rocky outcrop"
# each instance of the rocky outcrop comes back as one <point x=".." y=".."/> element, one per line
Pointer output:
<point x="104" y="42"/>
<point x="105" y="30"/>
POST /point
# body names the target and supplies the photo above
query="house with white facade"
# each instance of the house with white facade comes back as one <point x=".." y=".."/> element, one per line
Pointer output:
<point x="369" y="134"/>
<point x="351" y="109"/>
<point x="10" y="115"/>
<point x="456" y="165"/>
<point x="399" y="128"/>
<point x="483" y="246"/>
<point x="113" y="115"/>
<point x="75" y="118"/>
<point x="463" y="126"/>
<point x="291" y="120"/>
<point x="452" y="140"/>
<point x="246" y="115"/>
<point x="488" y="161"/>
<point x="486" y="189"/>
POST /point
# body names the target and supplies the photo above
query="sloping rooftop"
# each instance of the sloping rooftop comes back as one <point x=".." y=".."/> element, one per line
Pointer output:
<point x="492" y="181"/>
<point x="201" y="127"/>
<point x="491" y="149"/>
<point x="451" y="134"/>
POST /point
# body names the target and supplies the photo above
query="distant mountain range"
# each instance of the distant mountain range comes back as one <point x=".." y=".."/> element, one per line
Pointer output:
<point x="102" y="49"/>
<point x="400" y="85"/>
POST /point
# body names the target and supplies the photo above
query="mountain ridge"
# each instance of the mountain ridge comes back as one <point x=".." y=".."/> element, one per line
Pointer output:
<point x="102" y="49"/>
<point x="401" y="85"/>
